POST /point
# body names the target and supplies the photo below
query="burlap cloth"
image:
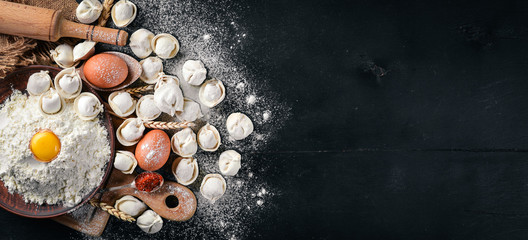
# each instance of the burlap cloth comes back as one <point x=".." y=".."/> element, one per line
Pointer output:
<point x="19" y="51"/>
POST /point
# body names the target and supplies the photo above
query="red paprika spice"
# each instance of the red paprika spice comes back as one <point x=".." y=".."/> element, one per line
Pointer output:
<point x="148" y="181"/>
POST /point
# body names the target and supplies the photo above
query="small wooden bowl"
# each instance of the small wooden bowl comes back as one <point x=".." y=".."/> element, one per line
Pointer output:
<point x="134" y="72"/>
<point x="14" y="202"/>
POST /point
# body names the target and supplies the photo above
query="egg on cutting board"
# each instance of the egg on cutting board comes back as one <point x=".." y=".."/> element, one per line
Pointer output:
<point x="153" y="150"/>
<point x="105" y="70"/>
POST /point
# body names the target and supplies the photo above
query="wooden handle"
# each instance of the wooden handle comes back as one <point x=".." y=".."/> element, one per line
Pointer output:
<point x="156" y="200"/>
<point x="49" y="25"/>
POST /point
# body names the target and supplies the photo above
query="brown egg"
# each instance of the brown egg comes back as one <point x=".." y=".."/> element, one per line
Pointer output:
<point x="105" y="70"/>
<point x="153" y="150"/>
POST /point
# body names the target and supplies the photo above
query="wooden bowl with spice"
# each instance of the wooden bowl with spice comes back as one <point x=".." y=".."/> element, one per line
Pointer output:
<point x="14" y="202"/>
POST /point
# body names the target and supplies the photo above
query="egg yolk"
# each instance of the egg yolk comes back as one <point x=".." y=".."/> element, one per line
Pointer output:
<point x="45" y="146"/>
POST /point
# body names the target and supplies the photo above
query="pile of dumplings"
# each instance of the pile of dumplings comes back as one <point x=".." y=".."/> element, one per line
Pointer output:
<point x="168" y="99"/>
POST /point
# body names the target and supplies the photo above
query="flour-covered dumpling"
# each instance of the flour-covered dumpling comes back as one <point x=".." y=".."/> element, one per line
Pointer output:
<point x="123" y="13"/>
<point x="88" y="11"/>
<point x="51" y="102"/>
<point x="185" y="170"/>
<point x="213" y="187"/>
<point x="165" y="45"/>
<point x="84" y="50"/>
<point x="87" y="106"/>
<point x="191" y="111"/>
<point x="130" y="205"/>
<point x="146" y="108"/>
<point x="168" y="95"/>
<point x="150" y="222"/>
<point x="68" y="83"/>
<point x="194" y="72"/>
<point x="122" y="103"/>
<point x="152" y="68"/>
<point x="184" y="143"/>
<point x="130" y="131"/>
<point x="140" y="42"/>
<point x="125" y="161"/>
<point x="209" y="138"/>
<point x="239" y="126"/>
<point x="229" y="162"/>
<point x="63" y="56"/>
<point x="212" y="92"/>
<point x="38" y="83"/>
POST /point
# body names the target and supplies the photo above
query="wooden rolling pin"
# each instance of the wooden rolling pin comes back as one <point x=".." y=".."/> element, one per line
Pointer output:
<point x="49" y="25"/>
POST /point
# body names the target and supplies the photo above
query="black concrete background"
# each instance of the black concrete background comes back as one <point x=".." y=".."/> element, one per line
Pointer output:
<point x="409" y="120"/>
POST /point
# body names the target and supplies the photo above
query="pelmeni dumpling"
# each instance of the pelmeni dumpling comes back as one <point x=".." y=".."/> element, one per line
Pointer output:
<point x="185" y="170"/>
<point x="84" y="50"/>
<point x="63" y="56"/>
<point x="229" y="162"/>
<point x="213" y="187"/>
<point x="140" y="42"/>
<point x="212" y="92"/>
<point x="125" y="161"/>
<point x="184" y="142"/>
<point x="150" y="222"/>
<point x="87" y="106"/>
<point x="152" y="68"/>
<point x="194" y="72"/>
<point x="123" y="13"/>
<point x="38" y="83"/>
<point x="191" y="111"/>
<point x="122" y="103"/>
<point x="68" y="83"/>
<point x="130" y="131"/>
<point x="165" y="45"/>
<point x="209" y="138"/>
<point x="130" y="205"/>
<point x="146" y="108"/>
<point x="239" y="126"/>
<point x="51" y="102"/>
<point x="88" y="11"/>
<point x="168" y="95"/>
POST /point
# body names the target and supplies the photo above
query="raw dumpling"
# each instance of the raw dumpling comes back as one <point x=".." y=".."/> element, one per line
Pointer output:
<point x="168" y="95"/>
<point x="39" y="83"/>
<point x="140" y="42"/>
<point x="123" y="13"/>
<point x="51" y="102"/>
<point x="185" y="170"/>
<point x="63" y="56"/>
<point x="239" y="126"/>
<point x="125" y="161"/>
<point x="146" y="108"/>
<point x="122" y="103"/>
<point x="191" y="111"/>
<point x="87" y="106"/>
<point x="68" y="83"/>
<point x="213" y="187"/>
<point x="152" y="68"/>
<point x="194" y="72"/>
<point x="130" y="205"/>
<point x="88" y="11"/>
<point x="130" y="131"/>
<point x="83" y="51"/>
<point x="150" y="222"/>
<point x="229" y="162"/>
<point x="209" y="138"/>
<point x="212" y="92"/>
<point x="184" y="143"/>
<point x="165" y="45"/>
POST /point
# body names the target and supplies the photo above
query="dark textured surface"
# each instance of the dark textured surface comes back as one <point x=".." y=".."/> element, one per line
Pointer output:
<point x="408" y="120"/>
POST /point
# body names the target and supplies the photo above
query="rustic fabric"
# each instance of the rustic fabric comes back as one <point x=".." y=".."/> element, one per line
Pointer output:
<point x="19" y="51"/>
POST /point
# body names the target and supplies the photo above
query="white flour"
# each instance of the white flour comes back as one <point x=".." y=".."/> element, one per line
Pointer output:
<point x="76" y="171"/>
